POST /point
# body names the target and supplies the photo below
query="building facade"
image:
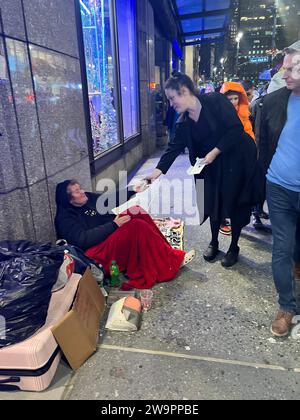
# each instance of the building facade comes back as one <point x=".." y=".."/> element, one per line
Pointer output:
<point x="268" y="26"/>
<point x="288" y="23"/>
<point x="258" y="25"/>
<point x="230" y="40"/>
<point x="77" y="98"/>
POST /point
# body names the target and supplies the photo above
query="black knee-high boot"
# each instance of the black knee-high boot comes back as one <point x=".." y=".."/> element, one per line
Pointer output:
<point x="214" y="227"/>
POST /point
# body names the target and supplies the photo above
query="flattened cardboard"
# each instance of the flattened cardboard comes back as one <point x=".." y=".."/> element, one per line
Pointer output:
<point x="78" y="331"/>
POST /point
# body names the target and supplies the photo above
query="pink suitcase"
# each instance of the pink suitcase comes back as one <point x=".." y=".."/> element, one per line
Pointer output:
<point x="31" y="364"/>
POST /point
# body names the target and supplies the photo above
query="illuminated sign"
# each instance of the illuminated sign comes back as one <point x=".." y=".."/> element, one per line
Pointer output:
<point x="259" y="59"/>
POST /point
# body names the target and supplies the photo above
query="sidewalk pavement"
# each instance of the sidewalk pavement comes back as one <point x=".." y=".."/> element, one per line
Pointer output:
<point x="207" y="335"/>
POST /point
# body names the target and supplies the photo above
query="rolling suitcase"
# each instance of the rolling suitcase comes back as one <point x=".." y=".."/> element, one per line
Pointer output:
<point x="30" y="365"/>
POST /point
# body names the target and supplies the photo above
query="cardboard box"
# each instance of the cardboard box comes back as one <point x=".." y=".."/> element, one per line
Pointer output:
<point x="77" y="332"/>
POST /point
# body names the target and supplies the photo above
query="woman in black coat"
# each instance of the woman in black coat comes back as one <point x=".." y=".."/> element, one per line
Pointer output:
<point x="210" y="128"/>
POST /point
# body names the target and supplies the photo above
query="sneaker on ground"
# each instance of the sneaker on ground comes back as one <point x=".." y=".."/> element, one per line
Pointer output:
<point x="225" y="228"/>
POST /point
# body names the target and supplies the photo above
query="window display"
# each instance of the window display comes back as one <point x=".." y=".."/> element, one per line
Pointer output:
<point x="98" y="48"/>
<point x="106" y="83"/>
<point x="126" y="24"/>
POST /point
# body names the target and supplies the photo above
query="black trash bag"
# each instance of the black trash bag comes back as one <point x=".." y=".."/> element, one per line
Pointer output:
<point x="27" y="273"/>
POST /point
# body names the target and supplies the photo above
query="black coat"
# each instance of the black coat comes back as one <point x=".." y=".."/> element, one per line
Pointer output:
<point x="232" y="181"/>
<point x="273" y="119"/>
<point x="83" y="226"/>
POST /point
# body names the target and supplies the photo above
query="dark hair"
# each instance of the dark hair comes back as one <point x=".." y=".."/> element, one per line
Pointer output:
<point x="179" y="80"/>
<point x="232" y="92"/>
<point x="247" y="84"/>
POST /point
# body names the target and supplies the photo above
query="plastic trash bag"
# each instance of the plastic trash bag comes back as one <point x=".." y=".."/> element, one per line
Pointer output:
<point x="27" y="273"/>
<point x="82" y="261"/>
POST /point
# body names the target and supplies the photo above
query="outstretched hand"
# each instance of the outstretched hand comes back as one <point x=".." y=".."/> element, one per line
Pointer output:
<point x="153" y="176"/>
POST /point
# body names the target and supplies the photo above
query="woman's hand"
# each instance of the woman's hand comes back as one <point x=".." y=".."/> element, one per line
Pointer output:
<point x="211" y="156"/>
<point x="121" y="220"/>
<point x="152" y="177"/>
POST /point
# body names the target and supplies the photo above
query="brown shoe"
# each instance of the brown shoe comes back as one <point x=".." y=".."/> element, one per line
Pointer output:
<point x="282" y="324"/>
<point x="297" y="270"/>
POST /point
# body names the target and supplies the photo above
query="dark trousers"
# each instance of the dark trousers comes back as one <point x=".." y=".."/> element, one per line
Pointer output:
<point x="284" y="209"/>
<point x="236" y="229"/>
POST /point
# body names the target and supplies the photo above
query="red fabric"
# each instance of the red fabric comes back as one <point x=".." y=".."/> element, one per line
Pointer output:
<point x="141" y="250"/>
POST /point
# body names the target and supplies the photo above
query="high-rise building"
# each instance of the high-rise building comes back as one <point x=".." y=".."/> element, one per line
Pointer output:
<point x="230" y="40"/>
<point x="258" y="25"/>
<point x="288" y="22"/>
<point x="267" y="26"/>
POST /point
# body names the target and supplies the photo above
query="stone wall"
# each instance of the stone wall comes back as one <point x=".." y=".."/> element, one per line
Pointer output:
<point x="42" y="125"/>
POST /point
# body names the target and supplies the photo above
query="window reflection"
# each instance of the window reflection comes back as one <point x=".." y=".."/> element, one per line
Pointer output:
<point x="95" y="16"/>
<point x="128" y="65"/>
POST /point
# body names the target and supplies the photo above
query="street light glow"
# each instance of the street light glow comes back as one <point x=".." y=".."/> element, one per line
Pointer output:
<point x="239" y="36"/>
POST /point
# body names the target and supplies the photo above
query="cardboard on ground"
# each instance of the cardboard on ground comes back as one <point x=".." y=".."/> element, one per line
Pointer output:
<point x="77" y="333"/>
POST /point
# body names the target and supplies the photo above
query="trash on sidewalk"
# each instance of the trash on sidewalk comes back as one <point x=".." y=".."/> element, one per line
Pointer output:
<point x="125" y="315"/>
<point x="146" y="297"/>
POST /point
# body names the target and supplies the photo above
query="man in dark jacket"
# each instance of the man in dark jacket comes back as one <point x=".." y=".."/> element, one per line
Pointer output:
<point x="280" y="154"/>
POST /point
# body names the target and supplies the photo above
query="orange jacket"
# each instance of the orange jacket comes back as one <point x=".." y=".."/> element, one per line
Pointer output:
<point x="243" y="106"/>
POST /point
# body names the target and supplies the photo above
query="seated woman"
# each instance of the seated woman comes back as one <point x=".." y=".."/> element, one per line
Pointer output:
<point x="131" y="239"/>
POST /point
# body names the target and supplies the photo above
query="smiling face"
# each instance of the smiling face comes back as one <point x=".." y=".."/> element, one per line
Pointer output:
<point x="181" y="100"/>
<point x="77" y="195"/>
<point x="234" y="99"/>
<point x="291" y="71"/>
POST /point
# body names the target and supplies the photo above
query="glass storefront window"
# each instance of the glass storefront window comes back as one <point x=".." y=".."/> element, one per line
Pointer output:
<point x="126" y="24"/>
<point x="104" y="87"/>
<point x="98" y="48"/>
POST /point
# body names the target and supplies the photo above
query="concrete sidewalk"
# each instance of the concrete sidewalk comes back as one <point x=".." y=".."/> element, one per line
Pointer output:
<point x="206" y="337"/>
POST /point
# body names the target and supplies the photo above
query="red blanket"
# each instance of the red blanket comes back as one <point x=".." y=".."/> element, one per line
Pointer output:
<point x="140" y="250"/>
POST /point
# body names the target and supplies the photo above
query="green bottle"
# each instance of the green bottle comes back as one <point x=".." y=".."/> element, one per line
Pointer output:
<point x="114" y="275"/>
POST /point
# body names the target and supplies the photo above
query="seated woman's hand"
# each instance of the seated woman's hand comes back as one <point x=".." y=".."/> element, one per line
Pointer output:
<point x="121" y="220"/>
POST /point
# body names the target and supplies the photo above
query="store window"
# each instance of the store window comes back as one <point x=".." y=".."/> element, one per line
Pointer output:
<point x="128" y="65"/>
<point x="110" y="89"/>
<point x="101" y="78"/>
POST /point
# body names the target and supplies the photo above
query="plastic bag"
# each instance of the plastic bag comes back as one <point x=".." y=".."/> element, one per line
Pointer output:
<point x="65" y="272"/>
<point x="82" y="262"/>
<point x="28" y="272"/>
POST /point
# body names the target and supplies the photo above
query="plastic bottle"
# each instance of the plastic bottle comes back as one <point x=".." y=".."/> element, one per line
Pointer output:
<point x="114" y="275"/>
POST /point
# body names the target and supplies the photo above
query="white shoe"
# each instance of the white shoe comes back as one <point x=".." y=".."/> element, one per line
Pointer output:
<point x="189" y="256"/>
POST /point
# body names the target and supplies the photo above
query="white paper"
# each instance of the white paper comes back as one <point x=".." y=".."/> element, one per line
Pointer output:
<point x="143" y="199"/>
<point x="197" y="168"/>
<point x="135" y="201"/>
